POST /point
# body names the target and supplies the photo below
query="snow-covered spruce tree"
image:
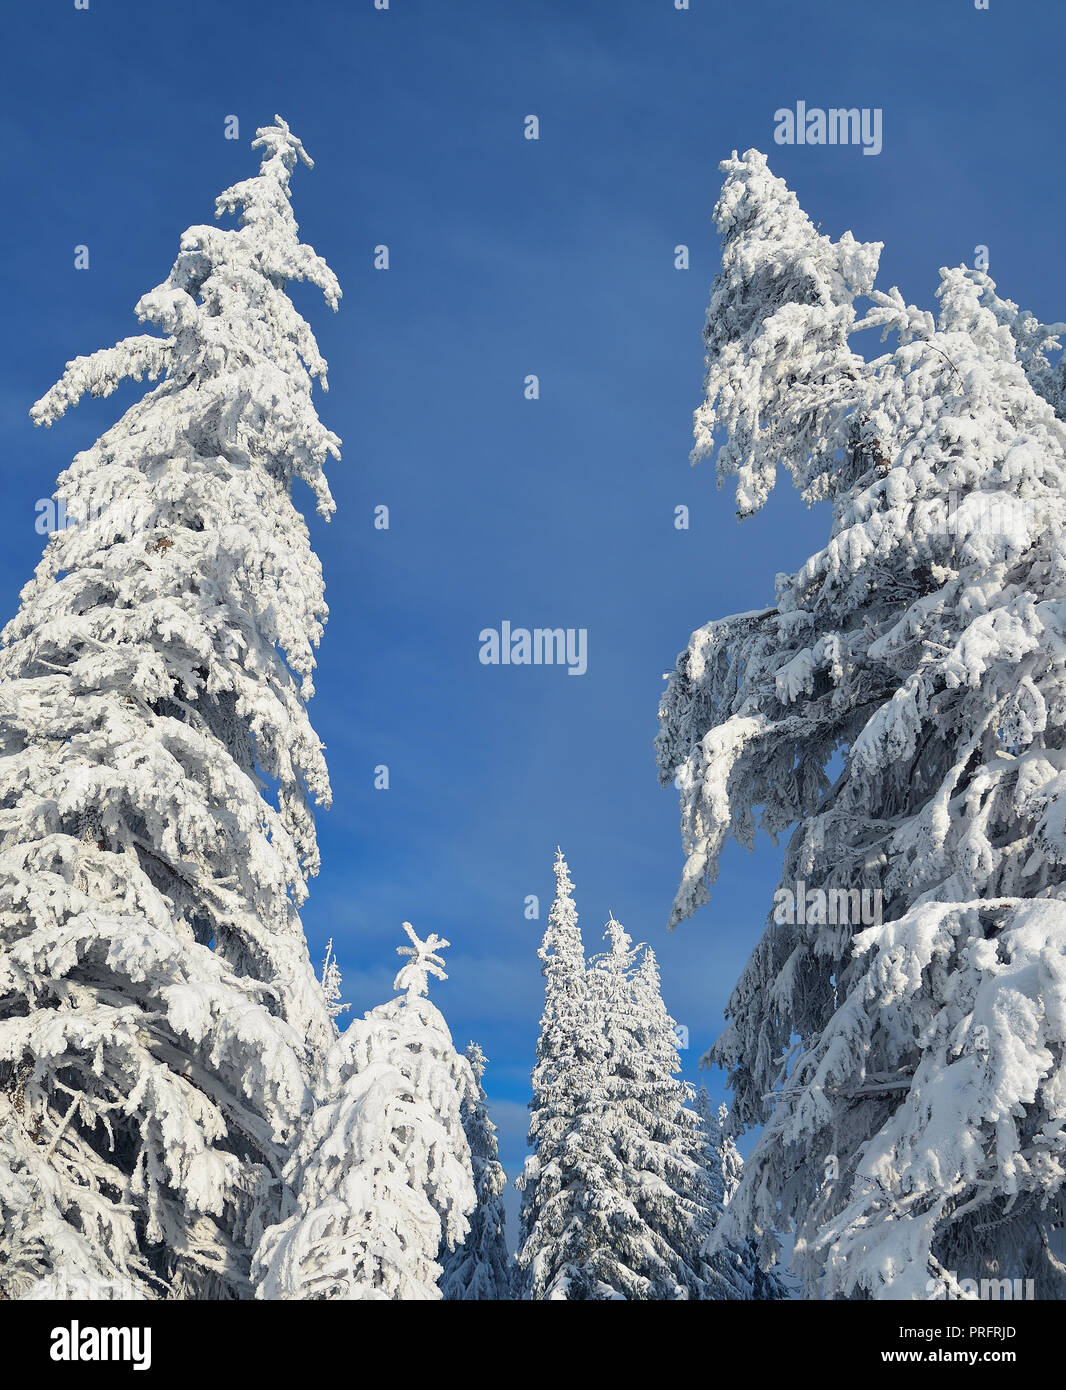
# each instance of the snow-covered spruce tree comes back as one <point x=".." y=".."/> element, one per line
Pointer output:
<point x="735" y="1261"/>
<point x="902" y="705"/>
<point x="481" y="1268"/>
<point x="551" y="1248"/>
<point x="330" y="980"/>
<point x="158" y="1010"/>
<point x="650" y="1211"/>
<point x="616" y="1201"/>
<point x="381" y="1178"/>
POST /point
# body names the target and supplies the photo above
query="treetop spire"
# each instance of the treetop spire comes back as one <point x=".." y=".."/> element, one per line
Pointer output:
<point x="425" y="960"/>
<point x="281" y="148"/>
<point x="617" y="935"/>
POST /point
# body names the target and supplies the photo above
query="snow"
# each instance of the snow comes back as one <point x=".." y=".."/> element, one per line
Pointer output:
<point x="921" y="653"/>
<point x="157" y="769"/>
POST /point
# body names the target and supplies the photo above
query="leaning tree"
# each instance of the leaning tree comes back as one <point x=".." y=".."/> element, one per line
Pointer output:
<point x="900" y="711"/>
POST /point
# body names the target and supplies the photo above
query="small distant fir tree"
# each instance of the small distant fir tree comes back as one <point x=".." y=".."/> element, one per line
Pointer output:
<point x="735" y="1260"/>
<point x="381" y="1178"/>
<point x="569" y="1051"/>
<point x="616" y="1201"/>
<point x="481" y="1268"/>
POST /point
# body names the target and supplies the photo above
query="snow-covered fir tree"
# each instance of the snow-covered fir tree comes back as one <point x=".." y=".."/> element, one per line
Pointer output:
<point x="481" y="1268"/>
<point x="331" y="983"/>
<point x="381" y="1178"/>
<point x="551" y="1249"/>
<point x="734" y="1261"/>
<point x="902" y="705"/>
<point x="159" y="1014"/>
<point x="652" y="1212"/>
<point x="616" y="1201"/>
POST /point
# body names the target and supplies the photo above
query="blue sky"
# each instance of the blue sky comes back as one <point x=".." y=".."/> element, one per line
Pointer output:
<point x="508" y="257"/>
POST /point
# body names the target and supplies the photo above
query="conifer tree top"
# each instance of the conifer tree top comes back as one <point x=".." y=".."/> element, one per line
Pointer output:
<point x="618" y="937"/>
<point x="229" y="322"/>
<point x="561" y="943"/>
<point x="563" y="882"/>
<point x="425" y="960"/>
<point x="476" y="1057"/>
